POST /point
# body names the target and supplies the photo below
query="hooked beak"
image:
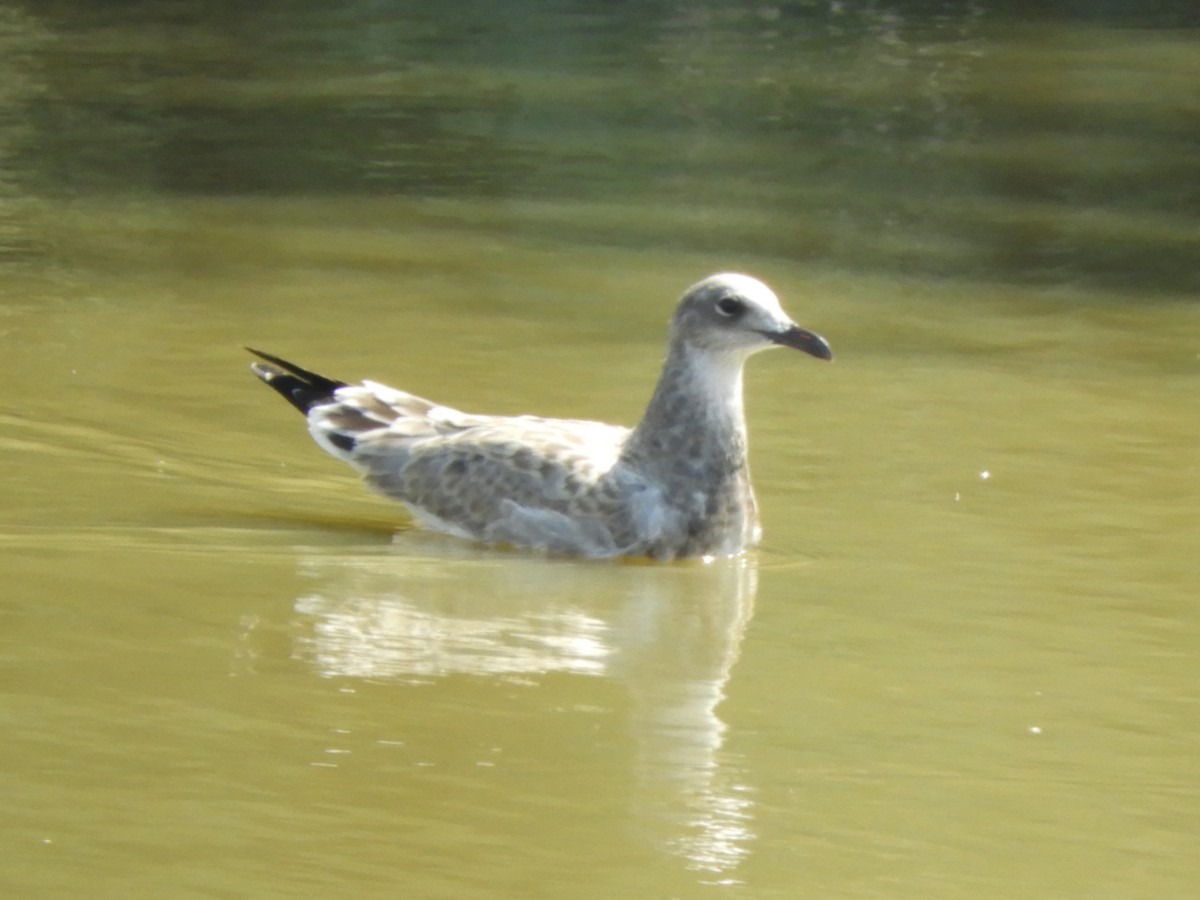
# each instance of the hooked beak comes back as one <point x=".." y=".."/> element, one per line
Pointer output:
<point x="803" y="339"/>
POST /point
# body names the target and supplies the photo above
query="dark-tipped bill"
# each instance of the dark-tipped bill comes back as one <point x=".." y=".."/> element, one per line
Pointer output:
<point x="803" y="339"/>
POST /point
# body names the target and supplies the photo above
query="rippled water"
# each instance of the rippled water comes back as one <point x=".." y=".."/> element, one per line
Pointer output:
<point x="964" y="661"/>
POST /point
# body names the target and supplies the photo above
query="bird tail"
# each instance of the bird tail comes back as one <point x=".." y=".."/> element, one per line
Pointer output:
<point x="299" y="387"/>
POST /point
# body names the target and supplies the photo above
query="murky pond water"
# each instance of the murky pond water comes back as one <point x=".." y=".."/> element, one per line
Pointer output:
<point x="964" y="661"/>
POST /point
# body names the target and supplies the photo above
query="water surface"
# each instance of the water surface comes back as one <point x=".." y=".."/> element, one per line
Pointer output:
<point x="963" y="662"/>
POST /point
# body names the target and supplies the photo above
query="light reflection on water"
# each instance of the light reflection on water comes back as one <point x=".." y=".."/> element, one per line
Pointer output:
<point x="670" y="635"/>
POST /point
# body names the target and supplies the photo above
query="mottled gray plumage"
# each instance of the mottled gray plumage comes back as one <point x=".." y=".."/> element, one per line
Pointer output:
<point x="676" y="485"/>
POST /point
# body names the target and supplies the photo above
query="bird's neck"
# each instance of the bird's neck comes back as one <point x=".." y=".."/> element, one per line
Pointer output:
<point x="694" y="425"/>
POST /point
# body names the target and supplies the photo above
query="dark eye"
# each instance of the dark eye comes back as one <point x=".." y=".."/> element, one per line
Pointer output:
<point x="731" y="307"/>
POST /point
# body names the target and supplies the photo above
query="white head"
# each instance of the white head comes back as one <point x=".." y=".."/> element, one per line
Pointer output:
<point x="739" y="315"/>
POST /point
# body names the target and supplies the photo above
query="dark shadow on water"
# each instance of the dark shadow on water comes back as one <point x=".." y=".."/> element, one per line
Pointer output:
<point x="949" y="140"/>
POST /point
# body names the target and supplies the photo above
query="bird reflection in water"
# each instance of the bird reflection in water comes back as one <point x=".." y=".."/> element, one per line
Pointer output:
<point x="668" y="636"/>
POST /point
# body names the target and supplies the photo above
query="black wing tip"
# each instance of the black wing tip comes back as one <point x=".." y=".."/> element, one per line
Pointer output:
<point x="300" y="387"/>
<point x="283" y="363"/>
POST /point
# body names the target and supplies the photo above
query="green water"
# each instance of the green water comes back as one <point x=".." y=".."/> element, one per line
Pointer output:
<point x="963" y="662"/>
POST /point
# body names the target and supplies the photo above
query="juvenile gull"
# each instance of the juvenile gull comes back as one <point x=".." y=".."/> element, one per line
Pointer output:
<point x="676" y="485"/>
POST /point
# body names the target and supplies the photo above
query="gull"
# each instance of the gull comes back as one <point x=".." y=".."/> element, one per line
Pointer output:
<point x="676" y="485"/>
